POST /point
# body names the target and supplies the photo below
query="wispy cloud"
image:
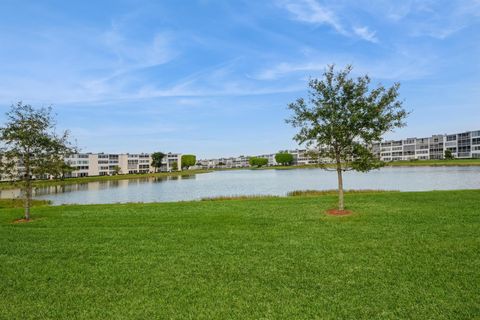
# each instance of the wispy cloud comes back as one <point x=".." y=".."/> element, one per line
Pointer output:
<point x="366" y="34"/>
<point x="133" y="53"/>
<point x="405" y="63"/>
<point x="311" y="11"/>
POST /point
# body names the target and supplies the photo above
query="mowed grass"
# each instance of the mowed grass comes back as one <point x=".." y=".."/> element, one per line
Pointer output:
<point x="401" y="255"/>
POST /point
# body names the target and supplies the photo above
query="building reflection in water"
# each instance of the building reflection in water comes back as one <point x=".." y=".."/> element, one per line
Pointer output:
<point x="91" y="186"/>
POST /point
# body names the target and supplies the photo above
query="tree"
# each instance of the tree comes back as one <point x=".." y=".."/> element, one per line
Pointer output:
<point x="343" y="117"/>
<point x="31" y="148"/>
<point x="449" y="155"/>
<point x="117" y="170"/>
<point x="174" y="166"/>
<point x="188" y="160"/>
<point x="60" y="168"/>
<point x="257" y="161"/>
<point x="157" y="158"/>
<point x="284" y="158"/>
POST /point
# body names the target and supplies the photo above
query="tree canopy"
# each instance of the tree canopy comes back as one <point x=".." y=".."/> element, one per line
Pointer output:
<point x="257" y="161"/>
<point x="448" y="155"/>
<point x="188" y="160"/>
<point x="284" y="158"/>
<point x="31" y="148"/>
<point x="157" y="158"/>
<point x="342" y="117"/>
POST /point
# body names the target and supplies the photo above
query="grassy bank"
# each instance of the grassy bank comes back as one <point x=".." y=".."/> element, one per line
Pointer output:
<point x="48" y="183"/>
<point x="18" y="203"/>
<point x="415" y="163"/>
<point x="401" y="255"/>
<point x="436" y="163"/>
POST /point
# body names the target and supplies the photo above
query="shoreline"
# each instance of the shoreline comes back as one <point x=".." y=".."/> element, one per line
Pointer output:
<point x="4" y="186"/>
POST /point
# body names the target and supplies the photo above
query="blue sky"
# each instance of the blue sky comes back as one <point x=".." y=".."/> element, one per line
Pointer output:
<point x="214" y="78"/>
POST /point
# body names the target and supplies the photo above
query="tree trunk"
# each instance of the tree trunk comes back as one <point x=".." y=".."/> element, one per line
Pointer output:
<point x="340" y="185"/>
<point x="28" y="200"/>
<point x="27" y="197"/>
<point x="27" y="184"/>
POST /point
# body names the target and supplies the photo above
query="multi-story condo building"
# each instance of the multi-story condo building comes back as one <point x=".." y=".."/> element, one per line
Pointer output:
<point x="300" y="157"/>
<point x="101" y="164"/>
<point x="462" y="145"/>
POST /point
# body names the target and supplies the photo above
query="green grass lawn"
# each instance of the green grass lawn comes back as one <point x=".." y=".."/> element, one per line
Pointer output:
<point x="18" y="203"/>
<point x="401" y="255"/>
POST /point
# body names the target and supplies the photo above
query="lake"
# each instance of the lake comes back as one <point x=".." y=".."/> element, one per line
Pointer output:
<point x="256" y="182"/>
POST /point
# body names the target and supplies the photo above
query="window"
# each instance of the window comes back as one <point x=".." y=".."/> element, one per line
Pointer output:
<point x="452" y="137"/>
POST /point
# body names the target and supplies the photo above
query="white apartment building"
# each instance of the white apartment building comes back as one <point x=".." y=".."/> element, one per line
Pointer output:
<point x="462" y="145"/>
<point x="101" y="164"/>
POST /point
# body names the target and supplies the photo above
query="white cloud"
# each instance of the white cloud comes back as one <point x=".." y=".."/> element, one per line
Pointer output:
<point x="284" y="68"/>
<point x="366" y="34"/>
<point x="406" y="63"/>
<point x="132" y="53"/>
<point x="311" y="11"/>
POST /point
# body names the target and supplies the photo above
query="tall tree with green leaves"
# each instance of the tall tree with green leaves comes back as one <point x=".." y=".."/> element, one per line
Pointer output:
<point x="284" y="158"/>
<point x="257" y="162"/>
<point x="343" y="117"/>
<point x="31" y="148"/>
<point x="448" y="155"/>
<point x="188" y="160"/>
<point x="157" y="158"/>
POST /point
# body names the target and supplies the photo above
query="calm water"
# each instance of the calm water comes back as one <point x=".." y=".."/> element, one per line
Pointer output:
<point x="257" y="182"/>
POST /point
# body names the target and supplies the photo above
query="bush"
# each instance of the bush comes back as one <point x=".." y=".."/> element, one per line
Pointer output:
<point x="188" y="160"/>
<point x="284" y="158"/>
<point x="449" y="155"/>
<point x="258" y="162"/>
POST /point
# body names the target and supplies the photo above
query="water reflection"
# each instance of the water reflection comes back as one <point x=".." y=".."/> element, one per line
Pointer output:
<point x="91" y="186"/>
<point x="255" y="182"/>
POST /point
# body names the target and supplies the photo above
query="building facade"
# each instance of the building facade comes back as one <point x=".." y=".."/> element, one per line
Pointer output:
<point x="463" y="145"/>
<point x="102" y="164"/>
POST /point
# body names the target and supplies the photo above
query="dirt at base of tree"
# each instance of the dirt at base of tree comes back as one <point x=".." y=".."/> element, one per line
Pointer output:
<point x="23" y="220"/>
<point x="336" y="212"/>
